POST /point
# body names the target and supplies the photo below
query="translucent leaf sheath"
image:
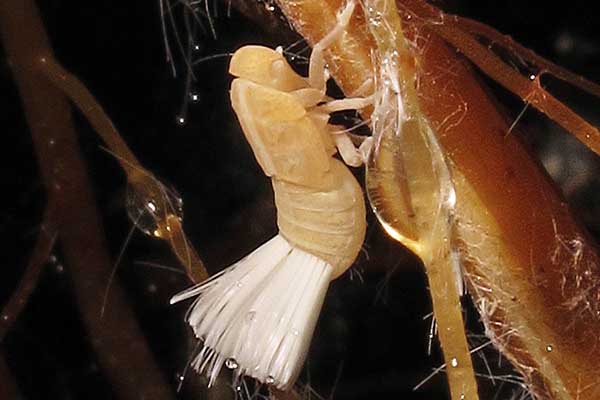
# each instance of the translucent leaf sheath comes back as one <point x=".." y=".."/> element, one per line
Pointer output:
<point x="411" y="190"/>
<point x="531" y="270"/>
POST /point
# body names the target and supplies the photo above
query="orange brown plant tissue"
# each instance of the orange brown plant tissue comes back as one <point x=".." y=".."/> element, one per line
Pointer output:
<point x="531" y="270"/>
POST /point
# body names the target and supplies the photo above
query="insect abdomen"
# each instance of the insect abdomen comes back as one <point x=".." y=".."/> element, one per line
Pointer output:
<point x="329" y="223"/>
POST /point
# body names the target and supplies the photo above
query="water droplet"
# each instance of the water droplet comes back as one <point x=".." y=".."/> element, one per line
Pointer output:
<point x="196" y="47"/>
<point x="238" y="388"/>
<point x="239" y="284"/>
<point x="270" y="380"/>
<point x="231" y="363"/>
<point x="532" y="77"/>
<point x="454" y="362"/>
<point x="180" y="119"/>
<point x="149" y="203"/>
<point x="180" y="377"/>
<point x="5" y="317"/>
<point x="549" y="348"/>
<point x="151" y="206"/>
<point x="194" y="97"/>
<point x="295" y="332"/>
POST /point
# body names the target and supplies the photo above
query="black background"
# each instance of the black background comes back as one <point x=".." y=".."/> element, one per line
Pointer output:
<point x="372" y="338"/>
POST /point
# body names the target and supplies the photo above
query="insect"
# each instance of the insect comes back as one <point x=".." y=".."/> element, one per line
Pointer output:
<point x="257" y="317"/>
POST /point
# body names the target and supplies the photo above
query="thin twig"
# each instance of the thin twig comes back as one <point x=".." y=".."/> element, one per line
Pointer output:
<point x="39" y="257"/>
<point x="8" y="387"/>
<point x="117" y="339"/>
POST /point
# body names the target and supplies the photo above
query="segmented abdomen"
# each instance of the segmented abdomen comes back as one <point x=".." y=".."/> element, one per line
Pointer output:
<point x="328" y="223"/>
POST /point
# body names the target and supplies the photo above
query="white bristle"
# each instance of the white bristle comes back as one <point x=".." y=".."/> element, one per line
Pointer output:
<point x="258" y="316"/>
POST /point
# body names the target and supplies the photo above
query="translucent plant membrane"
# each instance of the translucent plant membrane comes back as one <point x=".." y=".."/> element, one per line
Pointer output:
<point x="410" y="186"/>
<point x="157" y="211"/>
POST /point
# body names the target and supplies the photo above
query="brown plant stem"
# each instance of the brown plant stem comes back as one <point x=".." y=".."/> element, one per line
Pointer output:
<point x="8" y="387"/>
<point x="140" y="180"/>
<point x="117" y="340"/>
<point x="41" y="252"/>
<point x="87" y="104"/>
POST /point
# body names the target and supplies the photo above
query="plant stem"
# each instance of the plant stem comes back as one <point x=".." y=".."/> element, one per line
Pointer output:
<point x="116" y="339"/>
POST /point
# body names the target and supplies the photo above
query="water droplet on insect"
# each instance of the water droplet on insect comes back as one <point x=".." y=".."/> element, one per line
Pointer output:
<point x="454" y="362"/>
<point x="238" y="388"/>
<point x="231" y="363"/>
<point x="549" y="348"/>
<point x="532" y="77"/>
<point x="196" y="47"/>
<point x="270" y="380"/>
<point x="180" y="377"/>
<point x="180" y="119"/>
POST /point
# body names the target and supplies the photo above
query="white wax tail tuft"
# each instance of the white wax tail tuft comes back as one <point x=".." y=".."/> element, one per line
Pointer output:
<point x="258" y="316"/>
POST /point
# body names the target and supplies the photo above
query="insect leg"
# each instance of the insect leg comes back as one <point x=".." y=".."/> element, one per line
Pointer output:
<point x="355" y="103"/>
<point x="352" y="155"/>
<point x="317" y="73"/>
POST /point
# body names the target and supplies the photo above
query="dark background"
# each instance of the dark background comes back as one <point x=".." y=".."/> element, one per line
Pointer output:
<point x="372" y="338"/>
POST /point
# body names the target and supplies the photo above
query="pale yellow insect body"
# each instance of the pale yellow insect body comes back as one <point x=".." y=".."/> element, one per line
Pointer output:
<point x="257" y="317"/>
<point x="320" y="205"/>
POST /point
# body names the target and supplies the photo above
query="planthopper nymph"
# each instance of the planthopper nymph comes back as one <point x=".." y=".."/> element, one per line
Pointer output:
<point x="257" y="317"/>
